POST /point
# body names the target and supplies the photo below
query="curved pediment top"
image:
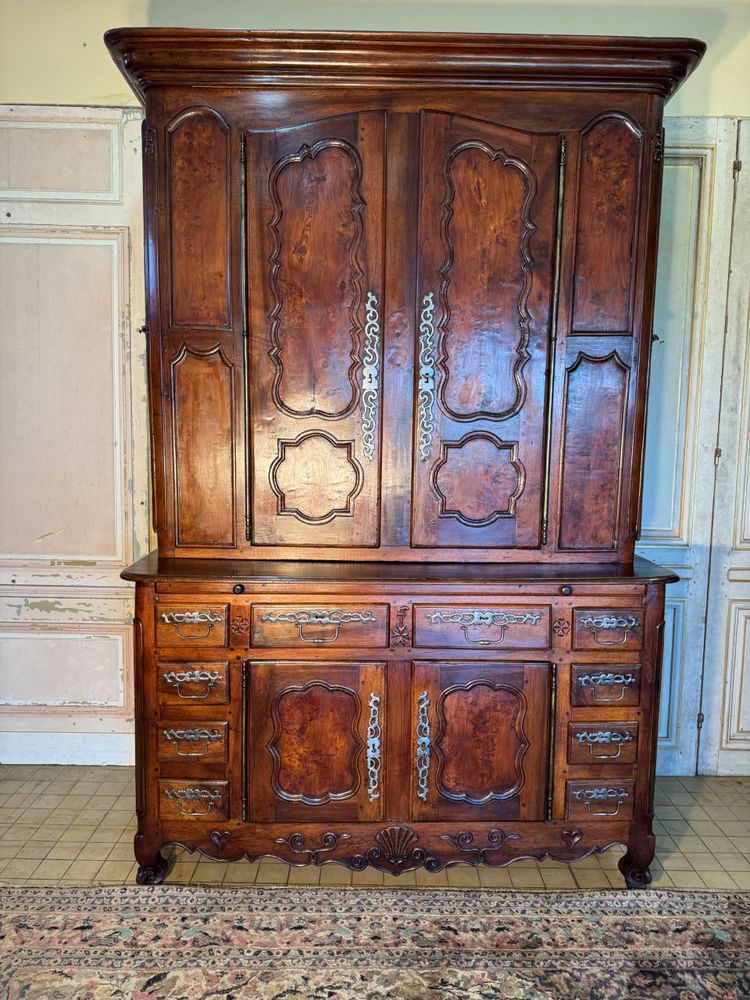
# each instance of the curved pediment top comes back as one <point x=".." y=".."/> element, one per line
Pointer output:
<point x="149" y="56"/>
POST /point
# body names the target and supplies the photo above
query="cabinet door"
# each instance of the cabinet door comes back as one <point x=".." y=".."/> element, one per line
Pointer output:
<point x="480" y="741"/>
<point x="315" y="733"/>
<point x="315" y="264"/>
<point x="487" y="219"/>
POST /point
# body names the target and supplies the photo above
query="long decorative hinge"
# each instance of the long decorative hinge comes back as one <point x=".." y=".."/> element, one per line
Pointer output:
<point x="374" y="733"/>
<point x="426" y="388"/>
<point x="563" y="150"/>
<point x="424" y="746"/>
<point x="370" y="376"/>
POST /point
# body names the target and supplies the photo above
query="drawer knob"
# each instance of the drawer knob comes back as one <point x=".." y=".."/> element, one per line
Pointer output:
<point x="566" y="591"/>
<point x="239" y="588"/>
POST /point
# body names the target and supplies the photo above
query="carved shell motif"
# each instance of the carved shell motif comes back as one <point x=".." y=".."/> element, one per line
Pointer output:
<point x="396" y="843"/>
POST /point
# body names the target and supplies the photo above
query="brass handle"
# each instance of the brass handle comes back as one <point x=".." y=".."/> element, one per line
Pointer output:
<point x="602" y="623"/>
<point x="178" y="618"/>
<point x="207" y="677"/>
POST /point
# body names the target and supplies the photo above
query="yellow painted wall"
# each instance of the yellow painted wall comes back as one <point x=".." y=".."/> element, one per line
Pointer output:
<point x="51" y="51"/>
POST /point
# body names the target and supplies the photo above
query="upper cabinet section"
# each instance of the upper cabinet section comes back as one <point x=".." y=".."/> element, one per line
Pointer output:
<point x="399" y="290"/>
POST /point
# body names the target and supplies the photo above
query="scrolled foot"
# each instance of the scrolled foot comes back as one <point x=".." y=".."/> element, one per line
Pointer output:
<point x="154" y="874"/>
<point x="635" y="878"/>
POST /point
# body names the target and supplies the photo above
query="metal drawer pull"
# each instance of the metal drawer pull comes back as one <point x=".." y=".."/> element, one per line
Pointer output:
<point x="590" y="795"/>
<point x="471" y="619"/>
<point x="334" y="618"/>
<point x="611" y="738"/>
<point x="424" y="749"/>
<point x="598" y="623"/>
<point x="426" y="386"/>
<point x="374" y="734"/>
<point x="203" y="737"/>
<point x="206" y="677"/>
<point x="370" y="376"/>
<point x="598" y="681"/>
<point x="207" y="618"/>
<point x="209" y="796"/>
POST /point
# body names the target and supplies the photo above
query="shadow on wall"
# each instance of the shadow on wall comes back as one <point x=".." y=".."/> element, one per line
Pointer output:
<point x="724" y="26"/>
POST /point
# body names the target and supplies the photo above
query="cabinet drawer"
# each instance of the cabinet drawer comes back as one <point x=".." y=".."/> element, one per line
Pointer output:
<point x="597" y="628"/>
<point x="191" y="624"/>
<point x="194" y="799"/>
<point x="340" y="625"/>
<point x="199" y="683"/>
<point x="599" y="800"/>
<point x="205" y="741"/>
<point x="610" y="684"/>
<point x="595" y="742"/>
<point x="491" y="626"/>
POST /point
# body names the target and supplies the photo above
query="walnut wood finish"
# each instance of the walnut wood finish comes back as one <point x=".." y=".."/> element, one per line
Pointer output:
<point x="400" y="295"/>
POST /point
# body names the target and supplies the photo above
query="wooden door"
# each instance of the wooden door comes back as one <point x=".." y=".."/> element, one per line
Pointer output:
<point x="315" y="736"/>
<point x="487" y="218"/>
<point x="315" y="266"/>
<point x="480" y="741"/>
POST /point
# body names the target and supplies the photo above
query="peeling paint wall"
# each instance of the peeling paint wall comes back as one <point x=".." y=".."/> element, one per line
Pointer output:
<point x="73" y="513"/>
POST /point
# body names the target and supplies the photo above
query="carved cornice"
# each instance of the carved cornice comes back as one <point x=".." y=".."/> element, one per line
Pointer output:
<point x="158" y="56"/>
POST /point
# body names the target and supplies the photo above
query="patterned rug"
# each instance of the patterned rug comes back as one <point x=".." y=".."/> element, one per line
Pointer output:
<point x="196" y="943"/>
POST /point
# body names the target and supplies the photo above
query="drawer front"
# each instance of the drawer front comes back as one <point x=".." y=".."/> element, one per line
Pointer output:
<point x="191" y="624"/>
<point x="611" y="684"/>
<point x="313" y="625"/>
<point x="484" y="627"/>
<point x="200" y="683"/>
<point x="602" y="742"/>
<point x="616" y="629"/>
<point x="188" y="800"/>
<point x="610" y="799"/>
<point x="205" y="741"/>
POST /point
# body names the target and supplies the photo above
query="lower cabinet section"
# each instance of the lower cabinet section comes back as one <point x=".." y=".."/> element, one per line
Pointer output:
<point x="322" y="727"/>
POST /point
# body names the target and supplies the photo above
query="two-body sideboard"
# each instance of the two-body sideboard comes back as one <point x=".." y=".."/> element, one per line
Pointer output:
<point x="400" y="298"/>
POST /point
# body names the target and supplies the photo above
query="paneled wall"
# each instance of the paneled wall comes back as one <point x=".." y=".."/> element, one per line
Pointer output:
<point x="74" y="494"/>
<point x="74" y="490"/>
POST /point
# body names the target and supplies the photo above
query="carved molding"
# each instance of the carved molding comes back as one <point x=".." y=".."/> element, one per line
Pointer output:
<point x="345" y="508"/>
<point x="527" y="266"/>
<point x="445" y="510"/>
<point x="297" y="844"/>
<point x="400" y="633"/>
<point x="356" y="273"/>
<point x="357" y="745"/>
<point x="464" y="842"/>
<point x="520" y="733"/>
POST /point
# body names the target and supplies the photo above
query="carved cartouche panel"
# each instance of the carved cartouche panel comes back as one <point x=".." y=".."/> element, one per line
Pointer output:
<point x="315" y="744"/>
<point x="481" y="743"/>
<point x="611" y="149"/>
<point x="198" y="166"/>
<point x="316" y="279"/>
<point x="478" y="479"/>
<point x="316" y="477"/>
<point x="486" y="278"/>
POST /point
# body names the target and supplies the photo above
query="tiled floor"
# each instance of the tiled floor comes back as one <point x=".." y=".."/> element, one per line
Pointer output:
<point x="73" y="825"/>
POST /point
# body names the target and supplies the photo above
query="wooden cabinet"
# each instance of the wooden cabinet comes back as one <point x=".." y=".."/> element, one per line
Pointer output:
<point x="400" y="295"/>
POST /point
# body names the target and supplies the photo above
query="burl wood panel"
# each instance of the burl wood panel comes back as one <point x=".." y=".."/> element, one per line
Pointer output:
<point x="595" y="400"/>
<point x="315" y="275"/>
<point x="202" y="389"/>
<point x="198" y="177"/>
<point x="489" y="725"/>
<point x="607" y="226"/>
<point x="486" y="258"/>
<point x="308" y="736"/>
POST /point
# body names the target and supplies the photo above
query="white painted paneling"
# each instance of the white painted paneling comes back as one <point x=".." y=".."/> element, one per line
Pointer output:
<point x="683" y="409"/>
<point x="725" y="746"/>
<point x="61" y="670"/>
<point x="73" y="431"/>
